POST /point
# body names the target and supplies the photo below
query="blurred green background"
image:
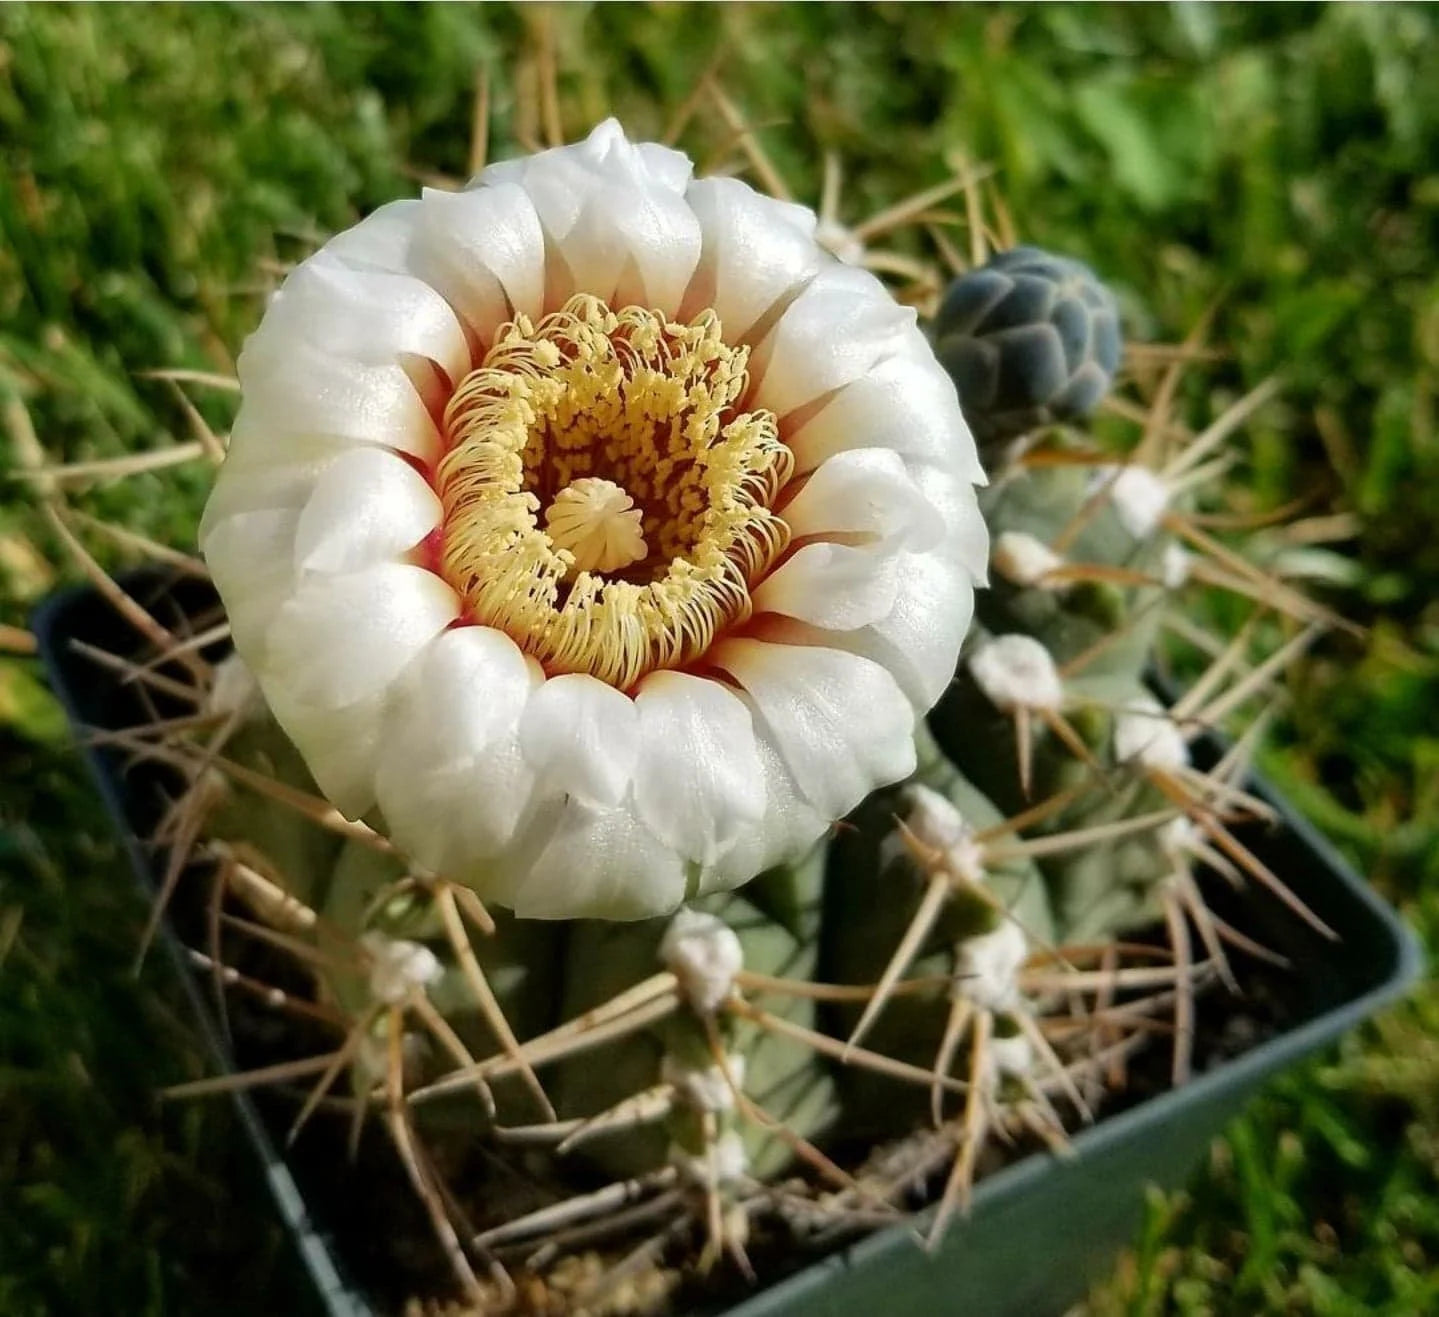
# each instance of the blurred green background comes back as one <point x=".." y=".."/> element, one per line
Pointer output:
<point x="1286" y="158"/>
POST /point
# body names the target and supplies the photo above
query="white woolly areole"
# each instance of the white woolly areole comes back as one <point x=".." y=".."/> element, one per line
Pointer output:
<point x="1145" y="734"/>
<point x="1175" y="566"/>
<point x="1024" y="559"/>
<point x="213" y="786"/>
<point x="1140" y="500"/>
<point x="596" y="526"/>
<point x="372" y="1054"/>
<point x="1017" y="672"/>
<point x="399" y="967"/>
<point x="723" y="1163"/>
<point x="987" y="967"/>
<point x="937" y="824"/>
<point x="704" y="954"/>
<point x="1180" y="838"/>
<point x="933" y="818"/>
<point x="1012" y="1056"/>
<point x="705" y="1088"/>
<point x="234" y="690"/>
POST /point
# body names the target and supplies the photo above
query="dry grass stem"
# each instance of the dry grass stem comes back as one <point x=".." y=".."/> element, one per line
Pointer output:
<point x="441" y="1031"/>
<point x="744" y="137"/>
<point x="578" y="1036"/>
<point x="143" y="544"/>
<point x="903" y="212"/>
<point x="114" y="468"/>
<point x="132" y="672"/>
<point x="1187" y="892"/>
<point x="331" y="1072"/>
<point x="1222" y="427"/>
<point x="156" y="634"/>
<point x="275" y="998"/>
<point x="205" y="378"/>
<point x="1080" y="838"/>
<point x="961" y="1011"/>
<point x="642" y="1109"/>
<point x="763" y="984"/>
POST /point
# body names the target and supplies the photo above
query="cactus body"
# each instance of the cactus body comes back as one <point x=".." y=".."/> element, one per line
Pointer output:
<point x="896" y="978"/>
<point x="874" y="888"/>
<point x="776" y="918"/>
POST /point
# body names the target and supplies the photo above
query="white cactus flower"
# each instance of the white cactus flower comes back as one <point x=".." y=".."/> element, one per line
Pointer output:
<point x="597" y="526"/>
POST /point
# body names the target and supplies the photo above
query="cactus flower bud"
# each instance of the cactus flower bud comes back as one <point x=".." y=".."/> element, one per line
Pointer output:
<point x="1030" y="338"/>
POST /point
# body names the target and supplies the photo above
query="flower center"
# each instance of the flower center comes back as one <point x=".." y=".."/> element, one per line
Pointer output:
<point x="597" y="523"/>
<point x="622" y="430"/>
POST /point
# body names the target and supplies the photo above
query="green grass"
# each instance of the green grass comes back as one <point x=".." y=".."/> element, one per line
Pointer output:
<point x="1280" y="157"/>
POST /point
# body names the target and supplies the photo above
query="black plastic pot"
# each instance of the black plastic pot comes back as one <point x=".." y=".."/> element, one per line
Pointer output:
<point x="1042" y="1229"/>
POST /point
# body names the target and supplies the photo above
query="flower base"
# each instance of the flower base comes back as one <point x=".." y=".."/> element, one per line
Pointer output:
<point x="1040" y="1230"/>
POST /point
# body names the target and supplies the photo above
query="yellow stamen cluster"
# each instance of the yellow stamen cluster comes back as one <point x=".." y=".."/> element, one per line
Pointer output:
<point x="595" y="404"/>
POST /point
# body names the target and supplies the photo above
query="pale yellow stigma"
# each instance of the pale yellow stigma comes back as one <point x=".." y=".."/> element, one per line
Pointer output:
<point x="597" y="523"/>
<point x="606" y="502"/>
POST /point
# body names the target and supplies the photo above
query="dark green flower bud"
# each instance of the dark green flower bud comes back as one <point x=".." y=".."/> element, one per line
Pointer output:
<point x="1029" y="339"/>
